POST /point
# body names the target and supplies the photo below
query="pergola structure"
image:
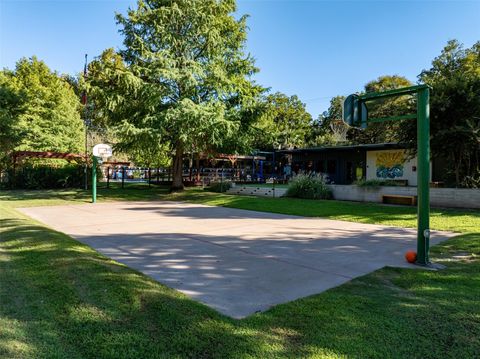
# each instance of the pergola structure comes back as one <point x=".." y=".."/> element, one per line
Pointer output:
<point x="19" y="155"/>
<point x="47" y="155"/>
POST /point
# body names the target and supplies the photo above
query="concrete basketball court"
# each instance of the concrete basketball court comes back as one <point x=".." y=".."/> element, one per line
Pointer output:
<point x="236" y="261"/>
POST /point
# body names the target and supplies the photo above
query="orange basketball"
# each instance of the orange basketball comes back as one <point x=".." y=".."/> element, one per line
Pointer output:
<point x="411" y="256"/>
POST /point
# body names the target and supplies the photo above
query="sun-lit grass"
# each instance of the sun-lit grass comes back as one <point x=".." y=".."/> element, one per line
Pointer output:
<point x="61" y="299"/>
<point x="373" y="213"/>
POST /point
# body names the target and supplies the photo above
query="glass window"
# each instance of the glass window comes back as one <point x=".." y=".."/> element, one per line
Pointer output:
<point x="331" y="166"/>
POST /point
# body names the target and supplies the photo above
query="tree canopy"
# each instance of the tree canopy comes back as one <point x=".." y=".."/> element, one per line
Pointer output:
<point x="10" y="110"/>
<point x="455" y="109"/>
<point x="183" y="78"/>
<point x="385" y="131"/>
<point x="39" y="110"/>
<point x="321" y="130"/>
<point x="285" y="123"/>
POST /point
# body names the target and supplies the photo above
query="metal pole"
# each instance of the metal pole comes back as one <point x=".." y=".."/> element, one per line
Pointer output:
<point x="94" y="179"/>
<point x="123" y="177"/>
<point x="108" y="177"/>
<point x="221" y="180"/>
<point x="274" y="172"/>
<point x="85" y="120"/>
<point x="423" y="175"/>
<point x="86" y="154"/>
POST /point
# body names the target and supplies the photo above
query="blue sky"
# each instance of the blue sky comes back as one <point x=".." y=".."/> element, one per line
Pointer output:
<point x="314" y="49"/>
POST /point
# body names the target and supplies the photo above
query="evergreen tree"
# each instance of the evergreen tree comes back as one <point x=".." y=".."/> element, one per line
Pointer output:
<point x="182" y="79"/>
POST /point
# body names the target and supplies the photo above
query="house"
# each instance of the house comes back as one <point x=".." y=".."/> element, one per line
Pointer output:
<point x="346" y="164"/>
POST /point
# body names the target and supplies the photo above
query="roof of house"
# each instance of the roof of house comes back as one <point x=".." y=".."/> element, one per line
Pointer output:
<point x="367" y="147"/>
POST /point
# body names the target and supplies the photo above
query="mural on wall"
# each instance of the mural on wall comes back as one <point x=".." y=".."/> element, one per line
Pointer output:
<point x="390" y="164"/>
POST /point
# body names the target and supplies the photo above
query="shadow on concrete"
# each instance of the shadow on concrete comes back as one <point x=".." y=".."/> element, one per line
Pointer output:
<point x="59" y="298"/>
<point x="250" y="271"/>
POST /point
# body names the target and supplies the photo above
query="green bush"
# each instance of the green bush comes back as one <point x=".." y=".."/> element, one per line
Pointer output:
<point x="471" y="181"/>
<point x="308" y="186"/>
<point x="45" y="177"/>
<point x="219" y="186"/>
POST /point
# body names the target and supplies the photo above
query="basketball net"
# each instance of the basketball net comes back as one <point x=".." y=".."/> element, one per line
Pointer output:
<point x="104" y="153"/>
<point x="339" y="130"/>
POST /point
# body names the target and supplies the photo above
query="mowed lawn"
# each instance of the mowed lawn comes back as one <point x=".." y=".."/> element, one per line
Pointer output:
<point x="61" y="299"/>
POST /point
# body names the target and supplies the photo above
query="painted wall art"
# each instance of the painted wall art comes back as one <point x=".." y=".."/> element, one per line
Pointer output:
<point x="390" y="164"/>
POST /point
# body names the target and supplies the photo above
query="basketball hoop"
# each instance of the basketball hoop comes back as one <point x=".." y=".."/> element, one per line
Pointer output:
<point x="102" y="151"/>
<point x="339" y="130"/>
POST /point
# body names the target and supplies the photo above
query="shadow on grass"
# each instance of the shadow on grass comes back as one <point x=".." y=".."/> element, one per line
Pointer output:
<point x="90" y="306"/>
<point x="135" y="192"/>
<point x="62" y="299"/>
<point x="24" y="195"/>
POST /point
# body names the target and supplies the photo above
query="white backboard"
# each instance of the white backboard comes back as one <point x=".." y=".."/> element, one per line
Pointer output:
<point x="102" y="150"/>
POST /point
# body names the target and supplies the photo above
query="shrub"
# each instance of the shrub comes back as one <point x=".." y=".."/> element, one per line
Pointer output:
<point x="219" y="186"/>
<point x="45" y="177"/>
<point x="308" y="186"/>
<point x="471" y="181"/>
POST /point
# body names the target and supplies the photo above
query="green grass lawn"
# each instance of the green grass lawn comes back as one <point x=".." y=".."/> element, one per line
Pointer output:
<point x="61" y="299"/>
<point x="399" y="216"/>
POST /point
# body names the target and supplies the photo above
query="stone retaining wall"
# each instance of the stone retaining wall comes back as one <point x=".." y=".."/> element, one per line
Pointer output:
<point x="439" y="197"/>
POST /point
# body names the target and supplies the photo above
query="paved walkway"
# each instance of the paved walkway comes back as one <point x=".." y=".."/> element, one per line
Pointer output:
<point x="236" y="261"/>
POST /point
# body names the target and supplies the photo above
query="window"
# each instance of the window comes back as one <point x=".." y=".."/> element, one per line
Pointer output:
<point x="331" y="167"/>
<point x="349" y="172"/>
<point x="320" y="166"/>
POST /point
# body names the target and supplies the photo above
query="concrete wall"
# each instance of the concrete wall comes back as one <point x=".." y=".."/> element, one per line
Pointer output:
<point x="439" y="197"/>
<point x="408" y="167"/>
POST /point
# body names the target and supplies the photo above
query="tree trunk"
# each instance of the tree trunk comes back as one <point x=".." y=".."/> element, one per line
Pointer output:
<point x="198" y="167"/>
<point x="190" y="167"/>
<point x="177" y="183"/>
<point x="457" y="160"/>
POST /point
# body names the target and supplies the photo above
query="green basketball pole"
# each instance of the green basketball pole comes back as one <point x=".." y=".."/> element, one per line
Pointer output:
<point x="94" y="179"/>
<point x="423" y="175"/>
<point x="355" y="113"/>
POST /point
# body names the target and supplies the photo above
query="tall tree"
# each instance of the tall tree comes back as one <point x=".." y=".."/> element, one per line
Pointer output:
<point x="183" y="77"/>
<point x="385" y="131"/>
<point x="49" y="109"/>
<point x="321" y="132"/>
<point x="455" y="108"/>
<point x="11" y="100"/>
<point x="335" y="110"/>
<point x="285" y="123"/>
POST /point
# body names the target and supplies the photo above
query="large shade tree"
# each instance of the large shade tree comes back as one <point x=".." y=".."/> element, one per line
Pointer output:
<point x="455" y="110"/>
<point x="321" y="132"/>
<point x="390" y="131"/>
<point x="285" y="123"/>
<point x="183" y="78"/>
<point x="11" y="101"/>
<point x="40" y="109"/>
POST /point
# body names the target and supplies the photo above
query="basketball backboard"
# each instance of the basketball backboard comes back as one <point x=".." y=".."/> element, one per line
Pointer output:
<point x="102" y="150"/>
<point x="354" y="112"/>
